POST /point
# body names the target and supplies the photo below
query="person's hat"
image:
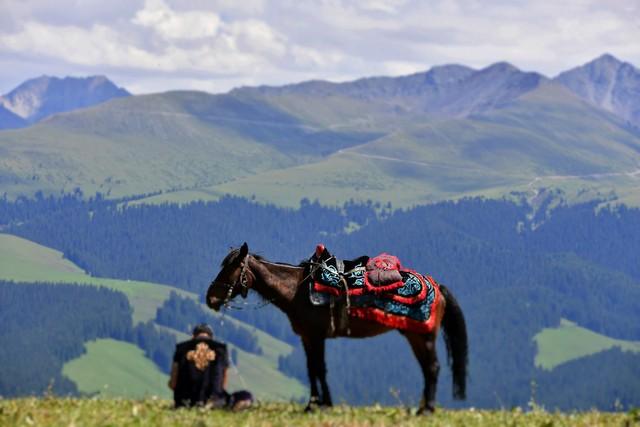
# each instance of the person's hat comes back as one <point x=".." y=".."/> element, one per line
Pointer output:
<point x="202" y="328"/>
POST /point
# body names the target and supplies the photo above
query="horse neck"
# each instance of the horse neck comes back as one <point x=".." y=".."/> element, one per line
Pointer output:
<point x="277" y="283"/>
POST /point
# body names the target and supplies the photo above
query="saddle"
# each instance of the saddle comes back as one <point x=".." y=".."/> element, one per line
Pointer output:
<point x="378" y="289"/>
<point x="358" y="276"/>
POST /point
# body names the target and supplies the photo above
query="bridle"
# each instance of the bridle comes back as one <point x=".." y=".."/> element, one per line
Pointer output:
<point x="241" y="281"/>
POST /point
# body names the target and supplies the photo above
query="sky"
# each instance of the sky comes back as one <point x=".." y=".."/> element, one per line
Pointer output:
<point x="216" y="45"/>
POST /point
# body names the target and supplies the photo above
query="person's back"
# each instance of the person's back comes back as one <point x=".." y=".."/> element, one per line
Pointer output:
<point x="201" y="365"/>
<point x="198" y="374"/>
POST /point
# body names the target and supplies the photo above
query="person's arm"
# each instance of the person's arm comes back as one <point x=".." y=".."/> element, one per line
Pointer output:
<point x="175" y="367"/>
<point x="173" y="378"/>
<point x="223" y="365"/>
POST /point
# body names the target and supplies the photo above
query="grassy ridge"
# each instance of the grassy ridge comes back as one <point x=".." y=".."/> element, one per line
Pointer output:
<point x="109" y="412"/>
<point x="570" y="341"/>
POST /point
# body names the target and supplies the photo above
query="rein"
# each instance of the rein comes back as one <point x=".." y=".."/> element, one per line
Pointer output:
<point x="248" y="306"/>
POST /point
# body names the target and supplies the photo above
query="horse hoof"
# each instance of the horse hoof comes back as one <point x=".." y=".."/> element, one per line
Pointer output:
<point x="317" y="406"/>
<point x="425" y="411"/>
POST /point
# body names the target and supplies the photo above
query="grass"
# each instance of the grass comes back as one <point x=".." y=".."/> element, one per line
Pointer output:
<point x="570" y="341"/>
<point x="157" y="412"/>
<point x="115" y="368"/>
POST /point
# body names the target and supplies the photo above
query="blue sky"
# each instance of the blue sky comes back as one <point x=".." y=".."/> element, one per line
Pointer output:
<point x="215" y="45"/>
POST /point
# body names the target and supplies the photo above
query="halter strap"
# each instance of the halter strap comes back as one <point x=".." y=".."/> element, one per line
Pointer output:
<point x="241" y="280"/>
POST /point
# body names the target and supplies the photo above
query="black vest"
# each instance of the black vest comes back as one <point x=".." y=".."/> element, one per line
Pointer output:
<point x="201" y="366"/>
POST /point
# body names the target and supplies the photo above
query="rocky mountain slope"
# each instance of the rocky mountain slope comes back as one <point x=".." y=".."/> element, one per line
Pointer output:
<point x="41" y="97"/>
<point x="608" y="83"/>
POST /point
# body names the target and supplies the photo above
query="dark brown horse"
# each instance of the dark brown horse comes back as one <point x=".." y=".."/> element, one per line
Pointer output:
<point x="282" y="284"/>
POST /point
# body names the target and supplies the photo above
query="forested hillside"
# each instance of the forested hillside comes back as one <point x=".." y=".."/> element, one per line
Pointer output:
<point x="514" y="270"/>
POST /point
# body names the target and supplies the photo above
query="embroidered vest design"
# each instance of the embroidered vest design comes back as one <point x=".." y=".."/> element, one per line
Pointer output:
<point x="201" y="356"/>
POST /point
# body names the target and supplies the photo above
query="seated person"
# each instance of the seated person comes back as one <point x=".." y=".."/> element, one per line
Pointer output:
<point x="199" y="373"/>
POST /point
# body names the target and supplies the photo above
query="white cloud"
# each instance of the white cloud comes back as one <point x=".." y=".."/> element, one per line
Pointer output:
<point x="173" y="25"/>
<point x="219" y="43"/>
<point x="403" y="68"/>
<point x="310" y="58"/>
<point x="222" y="48"/>
<point x="386" y="6"/>
<point x="257" y="36"/>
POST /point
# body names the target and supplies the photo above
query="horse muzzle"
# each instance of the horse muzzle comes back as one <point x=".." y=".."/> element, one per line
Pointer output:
<point x="214" y="303"/>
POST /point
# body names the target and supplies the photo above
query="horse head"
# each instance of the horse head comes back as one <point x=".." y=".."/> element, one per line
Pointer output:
<point x="232" y="280"/>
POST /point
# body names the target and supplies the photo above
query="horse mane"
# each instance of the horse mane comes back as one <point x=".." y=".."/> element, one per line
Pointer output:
<point x="234" y="254"/>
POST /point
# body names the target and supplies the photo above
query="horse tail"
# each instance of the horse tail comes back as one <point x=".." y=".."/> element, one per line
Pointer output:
<point x="455" y="338"/>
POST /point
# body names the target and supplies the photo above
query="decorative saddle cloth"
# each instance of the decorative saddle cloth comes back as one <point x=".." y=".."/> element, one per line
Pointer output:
<point x="378" y="289"/>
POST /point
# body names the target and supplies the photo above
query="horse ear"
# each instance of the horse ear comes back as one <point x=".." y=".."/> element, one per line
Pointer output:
<point x="244" y="250"/>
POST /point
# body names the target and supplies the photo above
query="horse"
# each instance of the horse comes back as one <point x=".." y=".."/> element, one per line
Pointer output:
<point x="284" y="286"/>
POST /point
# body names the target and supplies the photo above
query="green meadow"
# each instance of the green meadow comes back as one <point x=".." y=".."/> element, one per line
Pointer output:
<point x="157" y="412"/>
<point x="569" y="341"/>
<point x="114" y="368"/>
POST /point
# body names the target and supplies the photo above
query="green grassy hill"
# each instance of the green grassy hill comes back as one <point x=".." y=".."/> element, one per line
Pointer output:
<point x="129" y="146"/>
<point x="570" y="341"/>
<point x="546" y="138"/>
<point x="114" y="368"/>
<point x="148" y="143"/>
<point x="25" y="261"/>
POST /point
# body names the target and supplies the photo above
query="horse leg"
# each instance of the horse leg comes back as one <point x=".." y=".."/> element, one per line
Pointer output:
<point x="317" y="370"/>
<point x="310" y="349"/>
<point x="322" y="375"/>
<point x="424" y="348"/>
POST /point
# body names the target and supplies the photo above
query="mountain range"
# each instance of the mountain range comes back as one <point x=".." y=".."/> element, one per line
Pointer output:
<point x="449" y="132"/>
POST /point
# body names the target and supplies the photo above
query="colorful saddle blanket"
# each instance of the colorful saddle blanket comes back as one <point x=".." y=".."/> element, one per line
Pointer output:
<point x="409" y="303"/>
